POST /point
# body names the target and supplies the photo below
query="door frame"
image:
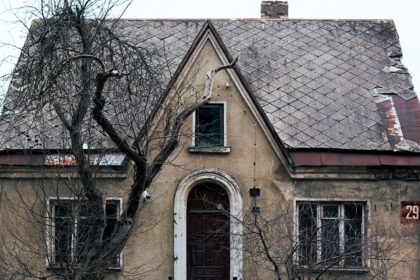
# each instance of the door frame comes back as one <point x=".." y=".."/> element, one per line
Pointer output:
<point x="180" y="220"/>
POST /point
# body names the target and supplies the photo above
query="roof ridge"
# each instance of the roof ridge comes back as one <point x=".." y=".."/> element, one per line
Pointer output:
<point x="251" y="19"/>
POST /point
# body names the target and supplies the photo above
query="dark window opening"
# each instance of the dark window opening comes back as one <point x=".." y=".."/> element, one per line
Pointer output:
<point x="112" y="211"/>
<point x="209" y="130"/>
<point x="63" y="232"/>
<point x="307" y="234"/>
<point x="208" y="197"/>
<point x="72" y="222"/>
<point x="330" y="238"/>
<point x="353" y="234"/>
<point x="83" y="224"/>
<point x="331" y="234"/>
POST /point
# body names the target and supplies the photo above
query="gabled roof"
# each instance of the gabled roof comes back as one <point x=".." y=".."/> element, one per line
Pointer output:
<point x="315" y="80"/>
<point x="323" y="84"/>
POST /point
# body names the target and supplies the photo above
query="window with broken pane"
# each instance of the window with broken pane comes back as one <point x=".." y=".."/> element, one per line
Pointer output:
<point x="209" y="126"/>
<point x="331" y="234"/>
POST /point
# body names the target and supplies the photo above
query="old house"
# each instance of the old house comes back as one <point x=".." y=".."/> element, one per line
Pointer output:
<point x="301" y="158"/>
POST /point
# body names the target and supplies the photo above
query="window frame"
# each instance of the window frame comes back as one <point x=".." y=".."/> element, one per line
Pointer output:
<point x="222" y="104"/>
<point x="50" y="230"/>
<point x="341" y="204"/>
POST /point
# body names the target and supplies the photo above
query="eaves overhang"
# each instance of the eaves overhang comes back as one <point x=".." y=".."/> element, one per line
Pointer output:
<point x="347" y="164"/>
<point x="105" y="164"/>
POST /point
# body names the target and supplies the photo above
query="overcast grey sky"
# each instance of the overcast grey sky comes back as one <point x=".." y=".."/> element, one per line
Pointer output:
<point x="403" y="12"/>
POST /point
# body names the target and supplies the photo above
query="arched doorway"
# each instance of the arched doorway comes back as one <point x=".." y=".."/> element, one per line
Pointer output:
<point x="180" y="220"/>
<point x="208" y="227"/>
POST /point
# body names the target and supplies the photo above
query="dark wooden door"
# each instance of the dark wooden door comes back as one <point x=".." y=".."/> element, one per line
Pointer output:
<point x="208" y="233"/>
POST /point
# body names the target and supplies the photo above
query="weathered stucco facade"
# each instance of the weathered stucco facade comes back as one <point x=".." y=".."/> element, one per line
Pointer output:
<point x="254" y="158"/>
<point x="300" y="160"/>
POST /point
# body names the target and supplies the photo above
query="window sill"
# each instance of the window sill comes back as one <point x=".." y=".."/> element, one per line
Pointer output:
<point x="115" y="268"/>
<point x="209" y="150"/>
<point x="58" y="267"/>
<point x="336" y="269"/>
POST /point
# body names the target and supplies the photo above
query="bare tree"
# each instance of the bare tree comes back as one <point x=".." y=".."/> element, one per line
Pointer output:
<point x="90" y="90"/>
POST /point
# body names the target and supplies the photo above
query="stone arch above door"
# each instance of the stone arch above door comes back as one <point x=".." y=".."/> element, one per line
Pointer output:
<point x="180" y="220"/>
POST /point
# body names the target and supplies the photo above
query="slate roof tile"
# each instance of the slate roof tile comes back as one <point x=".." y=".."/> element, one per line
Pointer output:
<point x="312" y="78"/>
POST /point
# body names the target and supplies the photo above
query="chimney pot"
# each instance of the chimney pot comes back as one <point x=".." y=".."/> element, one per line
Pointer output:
<point x="274" y="9"/>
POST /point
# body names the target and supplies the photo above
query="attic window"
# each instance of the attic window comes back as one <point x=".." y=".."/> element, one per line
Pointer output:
<point x="209" y="123"/>
<point x="209" y="126"/>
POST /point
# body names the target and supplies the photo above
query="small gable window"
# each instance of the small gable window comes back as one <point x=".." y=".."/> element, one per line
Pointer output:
<point x="209" y="126"/>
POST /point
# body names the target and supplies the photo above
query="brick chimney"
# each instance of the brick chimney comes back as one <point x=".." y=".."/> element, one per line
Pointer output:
<point x="274" y="9"/>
